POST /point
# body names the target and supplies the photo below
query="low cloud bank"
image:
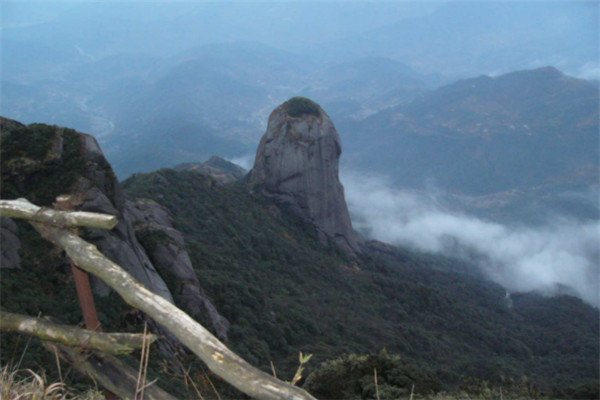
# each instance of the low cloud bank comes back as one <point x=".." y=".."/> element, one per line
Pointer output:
<point x="562" y="255"/>
<point x="589" y="70"/>
<point x="245" y="161"/>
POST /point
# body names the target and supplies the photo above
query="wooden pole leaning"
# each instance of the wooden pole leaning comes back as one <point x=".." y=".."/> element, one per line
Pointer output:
<point x="110" y="343"/>
<point x="82" y="279"/>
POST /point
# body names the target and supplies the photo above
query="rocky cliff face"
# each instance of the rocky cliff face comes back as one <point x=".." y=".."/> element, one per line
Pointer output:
<point x="297" y="164"/>
<point x="40" y="162"/>
<point x="165" y="246"/>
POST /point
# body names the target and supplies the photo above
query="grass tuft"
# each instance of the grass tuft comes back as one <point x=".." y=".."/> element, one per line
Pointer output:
<point x="20" y="384"/>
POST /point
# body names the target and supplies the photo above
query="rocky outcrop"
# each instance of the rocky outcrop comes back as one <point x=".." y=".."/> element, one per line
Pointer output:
<point x="40" y="162"/>
<point x="99" y="191"/>
<point x="221" y="170"/>
<point x="297" y="164"/>
<point x="166" y="249"/>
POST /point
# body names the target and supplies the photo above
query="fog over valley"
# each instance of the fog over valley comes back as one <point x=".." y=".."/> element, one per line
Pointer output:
<point x="559" y="256"/>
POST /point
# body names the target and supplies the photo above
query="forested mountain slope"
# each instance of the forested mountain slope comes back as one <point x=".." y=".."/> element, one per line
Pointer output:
<point x="283" y="293"/>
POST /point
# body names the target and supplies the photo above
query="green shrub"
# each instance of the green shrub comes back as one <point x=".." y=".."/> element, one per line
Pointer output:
<point x="353" y="377"/>
<point x="40" y="162"/>
<point x="298" y="106"/>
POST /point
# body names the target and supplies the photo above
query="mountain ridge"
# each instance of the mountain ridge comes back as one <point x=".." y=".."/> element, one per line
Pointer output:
<point x="486" y="135"/>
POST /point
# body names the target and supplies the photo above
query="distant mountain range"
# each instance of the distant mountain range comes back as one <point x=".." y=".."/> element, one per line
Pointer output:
<point x="528" y="131"/>
<point x="494" y="37"/>
<point x="158" y="73"/>
<point x="188" y="95"/>
<point x="212" y="99"/>
<point x="533" y="132"/>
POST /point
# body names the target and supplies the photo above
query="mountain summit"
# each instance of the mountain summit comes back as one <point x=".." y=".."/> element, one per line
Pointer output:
<point x="297" y="164"/>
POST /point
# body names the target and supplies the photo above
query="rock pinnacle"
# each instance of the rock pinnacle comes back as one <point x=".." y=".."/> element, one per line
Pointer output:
<point x="297" y="164"/>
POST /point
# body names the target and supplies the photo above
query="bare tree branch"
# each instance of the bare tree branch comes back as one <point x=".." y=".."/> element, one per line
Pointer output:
<point x="21" y="208"/>
<point x="112" y="343"/>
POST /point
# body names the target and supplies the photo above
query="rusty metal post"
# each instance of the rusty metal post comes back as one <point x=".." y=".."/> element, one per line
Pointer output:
<point x="86" y="299"/>
<point x="84" y="289"/>
<point x="82" y="279"/>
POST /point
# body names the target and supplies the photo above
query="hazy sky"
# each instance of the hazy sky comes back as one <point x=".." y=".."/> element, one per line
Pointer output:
<point x="457" y="39"/>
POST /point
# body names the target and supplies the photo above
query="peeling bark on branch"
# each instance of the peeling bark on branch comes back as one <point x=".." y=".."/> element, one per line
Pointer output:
<point x="21" y="208"/>
<point x="112" y="343"/>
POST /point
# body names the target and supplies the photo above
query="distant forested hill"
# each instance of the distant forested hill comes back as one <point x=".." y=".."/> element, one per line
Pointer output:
<point x="522" y="143"/>
<point x="486" y="135"/>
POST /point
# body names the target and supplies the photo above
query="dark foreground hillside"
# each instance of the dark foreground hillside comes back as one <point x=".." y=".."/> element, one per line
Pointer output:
<point x="416" y="318"/>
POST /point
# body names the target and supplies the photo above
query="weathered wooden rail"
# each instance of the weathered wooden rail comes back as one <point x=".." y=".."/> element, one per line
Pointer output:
<point x="110" y="343"/>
